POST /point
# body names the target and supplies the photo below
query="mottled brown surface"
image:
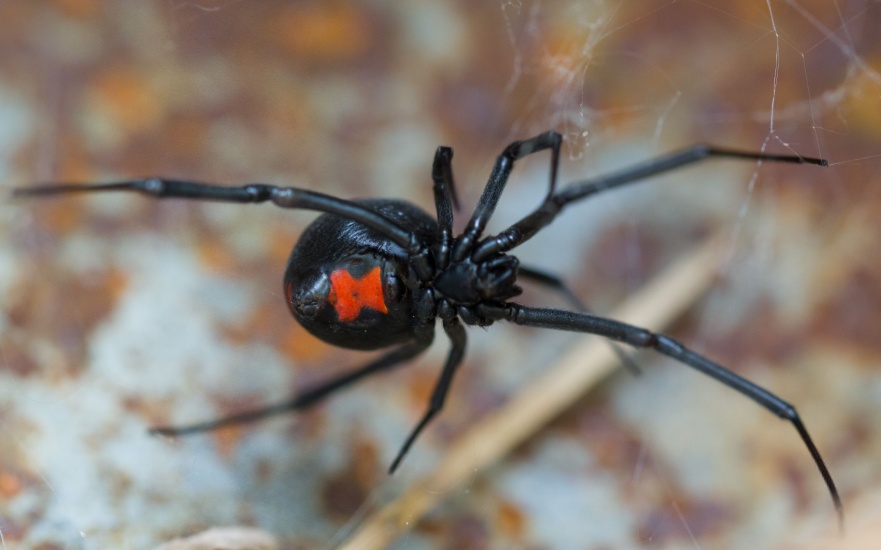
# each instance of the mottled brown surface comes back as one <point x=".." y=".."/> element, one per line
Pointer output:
<point x="120" y="313"/>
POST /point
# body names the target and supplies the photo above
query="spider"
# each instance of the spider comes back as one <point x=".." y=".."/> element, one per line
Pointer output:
<point x="375" y="273"/>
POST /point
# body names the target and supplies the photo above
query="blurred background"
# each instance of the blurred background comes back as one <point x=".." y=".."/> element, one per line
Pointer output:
<point x="119" y="313"/>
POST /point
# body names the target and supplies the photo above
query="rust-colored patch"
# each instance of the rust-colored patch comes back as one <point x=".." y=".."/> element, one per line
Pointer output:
<point x="613" y="443"/>
<point x="61" y="310"/>
<point x="366" y="463"/>
<point x="115" y="282"/>
<point x="187" y="135"/>
<point x="226" y="439"/>
<point x="349" y="295"/>
<point x="10" y="484"/>
<point x="346" y="490"/>
<point x="79" y="8"/>
<point x="468" y="531"/>
<point x="127" y="98"/>
<point x="342" y="495"/>
<point x="60" y="217"/>
<point x="796" y="480"/>
<point x="269" y="321"/>
<point x="264" y="470"/>
<point x="421" y="387"/>
<point x="855" y="437"/>
<point x="299" y="346"/>
<point x="851" y="315"/>
<point x="74" y="164"/>
<point x="861" y="104"/>
<point x="258" y="323"/>
<point x="326" y="32"/>
<point x="510" y="519"/>
<point x="216" y="257"/>
<point x="765" y="336"/>
<point x="282" y="242"/>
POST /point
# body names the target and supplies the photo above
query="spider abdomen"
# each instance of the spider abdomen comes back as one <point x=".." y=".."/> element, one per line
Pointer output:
<point x="349" y="285"/>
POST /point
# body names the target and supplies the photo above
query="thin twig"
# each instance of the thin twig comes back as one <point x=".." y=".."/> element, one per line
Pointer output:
<point x="657" y="304"/>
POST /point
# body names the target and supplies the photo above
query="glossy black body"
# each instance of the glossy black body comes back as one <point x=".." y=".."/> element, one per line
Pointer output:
<point x="378" y="273"/>
<point x="332" y="242"/>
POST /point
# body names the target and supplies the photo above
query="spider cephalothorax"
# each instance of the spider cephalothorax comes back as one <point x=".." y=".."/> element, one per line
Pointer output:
<point x="376" y="273"/>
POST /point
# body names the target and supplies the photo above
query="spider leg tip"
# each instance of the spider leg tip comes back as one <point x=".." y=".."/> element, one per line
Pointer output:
<point x="161" y="431"/>
<point x="19" y="192"/>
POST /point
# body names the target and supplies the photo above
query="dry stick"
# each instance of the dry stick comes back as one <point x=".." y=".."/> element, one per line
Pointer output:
<point x="654" y="306"/>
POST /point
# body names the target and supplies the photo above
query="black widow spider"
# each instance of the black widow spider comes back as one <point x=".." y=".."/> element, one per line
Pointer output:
<point x="369" y="274"/>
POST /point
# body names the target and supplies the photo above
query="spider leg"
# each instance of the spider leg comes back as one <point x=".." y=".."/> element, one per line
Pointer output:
<point x="308" y="398"/>
<point x="456" y="333"/>
<point x="442" y="174"/>
<point x="642" y="338"/>
<point x="486" y="205"/>
<point x="445" y="201"/>
<point x="285" y="197"/>
<point x="557" y="284"/>
<point x="524" y="229"/>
